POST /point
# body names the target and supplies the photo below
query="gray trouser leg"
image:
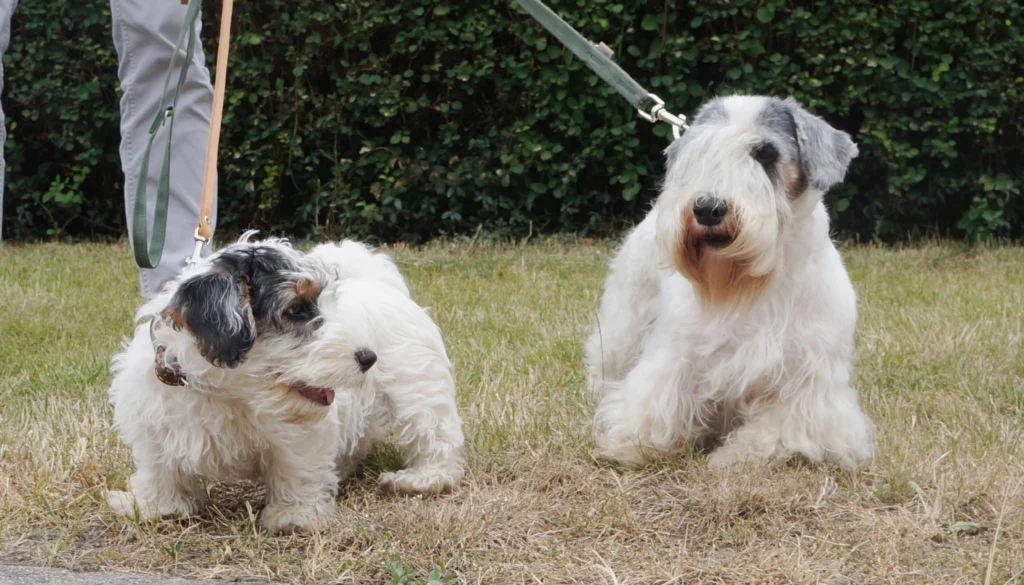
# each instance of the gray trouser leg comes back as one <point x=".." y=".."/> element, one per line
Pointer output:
<point x="6" y="10"/>
<point x="145" y="33"/>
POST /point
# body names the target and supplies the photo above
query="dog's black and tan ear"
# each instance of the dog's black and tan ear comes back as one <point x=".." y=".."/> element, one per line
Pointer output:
<point x="825" y="153"/>
<point x="214" y="307"/>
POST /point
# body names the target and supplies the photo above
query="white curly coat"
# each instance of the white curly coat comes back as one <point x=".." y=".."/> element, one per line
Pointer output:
<point x="233" y="424"/>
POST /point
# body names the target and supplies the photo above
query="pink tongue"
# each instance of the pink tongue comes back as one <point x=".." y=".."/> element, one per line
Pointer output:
<point x="323" y="396"/>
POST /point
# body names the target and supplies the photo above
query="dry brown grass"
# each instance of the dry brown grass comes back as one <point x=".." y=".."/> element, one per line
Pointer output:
<point x="940" y="370"/>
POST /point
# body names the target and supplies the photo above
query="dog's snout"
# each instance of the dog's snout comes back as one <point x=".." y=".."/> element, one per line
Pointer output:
<point x="709" y="210"/>
<point x="365" y="358"/>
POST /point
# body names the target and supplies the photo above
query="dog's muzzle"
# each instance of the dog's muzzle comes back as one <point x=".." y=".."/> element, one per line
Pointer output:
<point x="709" y="210"/>
<point x="711" y="214"/>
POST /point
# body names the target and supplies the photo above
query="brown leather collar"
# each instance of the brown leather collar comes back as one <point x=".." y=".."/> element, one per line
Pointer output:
<point x="171" y="376"/>
<point x="168" y="375"/>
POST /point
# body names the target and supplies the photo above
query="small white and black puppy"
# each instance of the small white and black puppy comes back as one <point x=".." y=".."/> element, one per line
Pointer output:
<point x="265" y="363"/>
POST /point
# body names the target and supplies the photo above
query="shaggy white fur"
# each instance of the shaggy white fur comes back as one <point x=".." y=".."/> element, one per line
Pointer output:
<point x="728" y="314"/>
<point x="297" y="365"/>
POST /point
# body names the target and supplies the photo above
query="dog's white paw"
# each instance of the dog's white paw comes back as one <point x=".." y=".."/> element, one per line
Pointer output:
<point x="627" y="455"/>
<point x="724" y="458"/>
<point x="278" y="519"/>
<point x="738" y="453"/>
<point x="125" y="504"/>
<point x="619" y="447"/>
<point x="418" y="481"/>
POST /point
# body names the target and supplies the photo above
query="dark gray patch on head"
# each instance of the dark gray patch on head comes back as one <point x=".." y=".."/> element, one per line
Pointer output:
<point x="825" y="153"/>
<point x="776" y="118"/>
<point x="779" y="146"/>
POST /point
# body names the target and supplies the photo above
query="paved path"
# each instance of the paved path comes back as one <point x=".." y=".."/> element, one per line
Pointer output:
<point x="18" y="575"/>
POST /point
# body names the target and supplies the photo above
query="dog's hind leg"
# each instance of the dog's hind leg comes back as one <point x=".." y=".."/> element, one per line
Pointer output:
<point x="360" y="447"/>
<point x="428" y="431"/>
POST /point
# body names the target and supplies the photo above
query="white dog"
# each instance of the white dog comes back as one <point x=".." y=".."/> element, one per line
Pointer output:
<point x="266" y="363"/>
<point x="728" y="314"/>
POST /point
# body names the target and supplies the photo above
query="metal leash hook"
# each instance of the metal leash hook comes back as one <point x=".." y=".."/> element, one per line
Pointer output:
<point x="658" y="113"/>
<point x="197" y="251"/>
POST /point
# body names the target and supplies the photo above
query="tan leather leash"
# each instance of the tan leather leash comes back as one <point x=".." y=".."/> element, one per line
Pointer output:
<point x="204" y="223"/>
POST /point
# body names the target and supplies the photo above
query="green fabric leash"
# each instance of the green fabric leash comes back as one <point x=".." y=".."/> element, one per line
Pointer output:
<point x="148" y="254"/>
<point x="650" y="106"/>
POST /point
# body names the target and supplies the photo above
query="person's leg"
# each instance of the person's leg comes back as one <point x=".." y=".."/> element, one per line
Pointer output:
<point x="145" y="34"/>
<point x="6" y="10"/>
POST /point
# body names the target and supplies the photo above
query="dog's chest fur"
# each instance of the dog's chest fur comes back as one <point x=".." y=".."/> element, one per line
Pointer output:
<point x="226" y="434"/>
<point x="769" y="347"/>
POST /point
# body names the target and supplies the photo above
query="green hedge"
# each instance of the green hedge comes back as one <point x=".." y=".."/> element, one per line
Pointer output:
<point x="406" y="119"/>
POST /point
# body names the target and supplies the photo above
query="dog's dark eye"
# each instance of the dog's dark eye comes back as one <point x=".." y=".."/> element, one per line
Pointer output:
<point x="299" y="312"/>
<point x="765" y="154"/>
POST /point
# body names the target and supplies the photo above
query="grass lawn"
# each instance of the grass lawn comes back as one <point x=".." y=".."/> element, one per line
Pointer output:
<point x="940" y="370"/>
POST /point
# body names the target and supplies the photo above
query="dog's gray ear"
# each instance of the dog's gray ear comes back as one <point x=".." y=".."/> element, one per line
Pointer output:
<point x="825" y="153"/>
<point x="214" y="307"/>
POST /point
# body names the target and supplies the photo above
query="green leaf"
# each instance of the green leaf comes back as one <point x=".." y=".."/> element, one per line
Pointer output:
<point x="630" y="191"/>
<point x="765" y="14"/>
<point x="651" y="22"/>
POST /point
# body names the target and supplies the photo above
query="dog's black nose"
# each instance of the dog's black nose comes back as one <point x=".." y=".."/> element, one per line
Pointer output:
<point x="709" y="210"/>
<point x="365" y="358"/>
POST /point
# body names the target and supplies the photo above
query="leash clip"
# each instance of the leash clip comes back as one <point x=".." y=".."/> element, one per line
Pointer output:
<point x="197" y="251"/>
<point x="658" y="113"/>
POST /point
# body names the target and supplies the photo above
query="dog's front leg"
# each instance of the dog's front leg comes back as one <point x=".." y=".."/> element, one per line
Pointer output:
<point x="429" y="434"/>
<point x="822" y="420"/>
<point x="301" y="486"/>
<point x="647" y="414"/>
<point x="156" y="491"/>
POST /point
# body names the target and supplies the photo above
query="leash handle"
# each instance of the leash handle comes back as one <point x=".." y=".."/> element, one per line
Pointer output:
<point x="204" y="223"/>
<point x="598" y="58"/>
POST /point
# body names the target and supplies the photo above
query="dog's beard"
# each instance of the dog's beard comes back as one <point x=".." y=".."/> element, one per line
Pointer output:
<point x="730" y="265"/>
